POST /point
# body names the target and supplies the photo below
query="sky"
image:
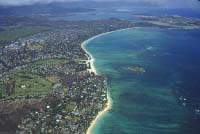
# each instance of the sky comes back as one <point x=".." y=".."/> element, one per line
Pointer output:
<point x="166" y="3"/>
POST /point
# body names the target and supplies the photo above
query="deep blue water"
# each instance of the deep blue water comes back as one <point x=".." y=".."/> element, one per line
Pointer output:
<point x="163" y="99"/>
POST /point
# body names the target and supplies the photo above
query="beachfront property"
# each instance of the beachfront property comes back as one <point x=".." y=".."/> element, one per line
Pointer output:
<point x="50" y="79"/>
<point x="48" y="83"/>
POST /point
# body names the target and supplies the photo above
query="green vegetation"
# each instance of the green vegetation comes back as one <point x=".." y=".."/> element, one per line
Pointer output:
<point x="51" y="62"/>
<point x="10" y="34"/>
<point x="69" y="107"/>
<point x="38" y="64"/>
<point x="2" y="91"/>
<point x="27" y="84"/>
<point x="53" y="78"/>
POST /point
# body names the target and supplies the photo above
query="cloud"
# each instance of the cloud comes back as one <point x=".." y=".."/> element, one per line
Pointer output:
<point x="164" y="3"/>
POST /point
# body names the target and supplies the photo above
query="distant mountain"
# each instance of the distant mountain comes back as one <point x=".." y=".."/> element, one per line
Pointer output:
<point x="53" y="8"/>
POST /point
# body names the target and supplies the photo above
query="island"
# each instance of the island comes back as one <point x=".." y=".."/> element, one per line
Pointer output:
<point x="137" y="69"/>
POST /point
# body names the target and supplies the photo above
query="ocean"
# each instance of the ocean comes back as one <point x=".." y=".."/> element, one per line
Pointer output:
<point x="154" y="80"/>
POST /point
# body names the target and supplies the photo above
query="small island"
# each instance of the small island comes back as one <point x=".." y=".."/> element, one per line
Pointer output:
<point x="137" y="69"/>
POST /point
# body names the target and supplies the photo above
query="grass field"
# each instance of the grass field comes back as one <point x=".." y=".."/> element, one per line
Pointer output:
<point x="53" y="78"/>
<point x="10" y="34"/>
<point x="69" y="107"/>
<point x="27" y="84"/>
<point x="51" y="62"/>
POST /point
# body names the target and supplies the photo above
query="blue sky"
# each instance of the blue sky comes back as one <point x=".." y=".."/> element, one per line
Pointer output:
<point x="165" y="3"/>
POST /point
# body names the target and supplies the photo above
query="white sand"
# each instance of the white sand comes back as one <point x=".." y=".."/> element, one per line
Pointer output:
<point x="91" y="58"/>
<point x="100" y="114"/>
<point x="93" y="69"/>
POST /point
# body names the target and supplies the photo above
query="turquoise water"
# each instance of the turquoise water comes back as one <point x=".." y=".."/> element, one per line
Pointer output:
<point x="161" y="98"/>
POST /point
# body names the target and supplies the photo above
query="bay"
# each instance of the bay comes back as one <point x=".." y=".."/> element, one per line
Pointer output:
<point x="153" y="77"/>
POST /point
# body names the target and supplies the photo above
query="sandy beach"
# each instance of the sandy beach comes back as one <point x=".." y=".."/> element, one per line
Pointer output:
<point x="93" y="69"/>
<point x="100" y="114"/>
<point x="91" y="58"/>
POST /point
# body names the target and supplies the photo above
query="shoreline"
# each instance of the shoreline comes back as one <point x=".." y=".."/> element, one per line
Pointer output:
<point x="91" y="60"/>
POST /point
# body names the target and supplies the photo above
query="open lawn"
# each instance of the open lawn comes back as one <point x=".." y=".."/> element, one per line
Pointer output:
<point x="27" y="84"/>
<point x="51" y="62"/>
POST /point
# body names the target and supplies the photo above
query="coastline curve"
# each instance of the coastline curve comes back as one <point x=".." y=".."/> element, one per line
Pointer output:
<point x="91" y="60"/>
